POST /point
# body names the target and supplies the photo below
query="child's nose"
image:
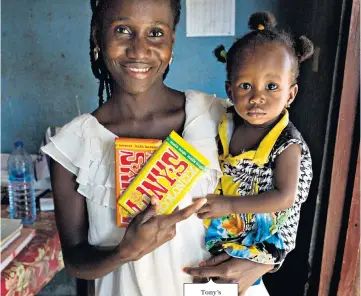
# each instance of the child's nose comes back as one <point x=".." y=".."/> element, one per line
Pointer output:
<point x="257" y="98"/>
<point x="138" y="49"/>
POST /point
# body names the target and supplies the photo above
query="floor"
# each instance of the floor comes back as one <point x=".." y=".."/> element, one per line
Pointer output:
<point x="61" y="285"/>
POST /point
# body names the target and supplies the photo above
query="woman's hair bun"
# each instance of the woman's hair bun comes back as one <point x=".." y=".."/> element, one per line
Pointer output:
<point x="220" y="53"/>
<point x="262" y="20"/>
<point x="303" y="48"/>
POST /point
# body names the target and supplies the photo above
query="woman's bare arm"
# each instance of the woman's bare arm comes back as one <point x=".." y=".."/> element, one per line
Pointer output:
<point x="81" y="259"/>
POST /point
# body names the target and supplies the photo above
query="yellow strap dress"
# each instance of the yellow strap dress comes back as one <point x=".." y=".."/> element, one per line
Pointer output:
<point x="263" y="237"/>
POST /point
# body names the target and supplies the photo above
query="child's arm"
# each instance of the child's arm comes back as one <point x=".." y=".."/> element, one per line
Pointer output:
<point x="287" y="173"/>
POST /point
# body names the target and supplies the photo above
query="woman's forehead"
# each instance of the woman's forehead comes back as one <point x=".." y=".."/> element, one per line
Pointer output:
<point x="144" y="11"/>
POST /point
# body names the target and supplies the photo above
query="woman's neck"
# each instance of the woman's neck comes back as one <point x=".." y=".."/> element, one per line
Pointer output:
<point x="138" y="106"/>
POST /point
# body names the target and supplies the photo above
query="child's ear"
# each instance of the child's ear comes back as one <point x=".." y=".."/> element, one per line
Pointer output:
<point x="228" y="88"/>
<point x="293" y="93"/>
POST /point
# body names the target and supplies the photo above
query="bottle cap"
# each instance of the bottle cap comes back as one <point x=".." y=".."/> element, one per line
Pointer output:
<point x="19" y="144"/>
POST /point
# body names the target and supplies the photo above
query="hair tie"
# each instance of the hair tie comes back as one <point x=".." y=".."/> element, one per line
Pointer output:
<point x="260" y="27"/>
<point x="223" y="54"/>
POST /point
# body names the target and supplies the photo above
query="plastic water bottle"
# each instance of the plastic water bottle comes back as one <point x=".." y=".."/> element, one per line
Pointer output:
<point x="21" y="185"/>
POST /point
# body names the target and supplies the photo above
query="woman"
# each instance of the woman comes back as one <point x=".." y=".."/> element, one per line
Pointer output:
<point x="132" y="42"/>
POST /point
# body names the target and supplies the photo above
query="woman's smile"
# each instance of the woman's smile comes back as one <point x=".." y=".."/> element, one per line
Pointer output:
<point x="138" y="70"/>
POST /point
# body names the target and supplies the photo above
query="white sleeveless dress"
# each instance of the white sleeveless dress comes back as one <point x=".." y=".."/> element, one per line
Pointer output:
<point x="86" y="148"/>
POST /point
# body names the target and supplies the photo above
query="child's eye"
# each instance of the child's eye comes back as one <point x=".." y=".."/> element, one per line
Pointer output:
<point x="123" y="30"/>
<point x="245" y="86"/>
<point x="272" y="86"/>
<point x="156" y="33"/>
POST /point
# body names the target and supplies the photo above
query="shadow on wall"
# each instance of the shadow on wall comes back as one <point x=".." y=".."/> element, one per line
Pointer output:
<point x="318" y="20"/>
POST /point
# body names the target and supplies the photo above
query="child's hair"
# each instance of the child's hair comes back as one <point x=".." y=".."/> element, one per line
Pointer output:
<point x="263" y="31"/>
<point x="99" y="69"/>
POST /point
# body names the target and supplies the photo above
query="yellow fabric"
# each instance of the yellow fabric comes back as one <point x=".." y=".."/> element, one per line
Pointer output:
<point x="259" y="156"/>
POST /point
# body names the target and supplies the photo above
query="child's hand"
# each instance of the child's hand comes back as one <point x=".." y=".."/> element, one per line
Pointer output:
<point x="216" y="207"/>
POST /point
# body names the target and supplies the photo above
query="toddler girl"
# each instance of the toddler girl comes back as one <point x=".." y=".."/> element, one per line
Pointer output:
<point x="265" y="161"/>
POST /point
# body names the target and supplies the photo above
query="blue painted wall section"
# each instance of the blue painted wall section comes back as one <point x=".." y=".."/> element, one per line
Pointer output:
<point x="46" y="77"/>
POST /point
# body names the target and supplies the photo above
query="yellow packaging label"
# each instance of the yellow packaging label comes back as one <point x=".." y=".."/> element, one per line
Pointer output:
<point x="169" y="174"/>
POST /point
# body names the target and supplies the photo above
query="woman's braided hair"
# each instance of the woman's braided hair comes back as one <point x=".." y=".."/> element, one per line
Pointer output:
<point x="263" y="31"/>
<point x="98" y="66"/>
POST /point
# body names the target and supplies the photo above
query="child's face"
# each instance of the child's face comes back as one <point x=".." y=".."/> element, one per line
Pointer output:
<point x="137" y="41"/>
<point x="261" y="84"/>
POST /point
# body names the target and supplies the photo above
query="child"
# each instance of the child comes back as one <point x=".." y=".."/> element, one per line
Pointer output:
<point x="266" y="163"/>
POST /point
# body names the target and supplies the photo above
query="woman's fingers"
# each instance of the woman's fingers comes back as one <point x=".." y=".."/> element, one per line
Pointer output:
<point x="225" y="281"/>
<point x="185" y="213"/>
<point x="148" y="230"/>
<point x="151" y="210"/>
<point x="204" y="272"/>
<point x="197" y="280"/>
<point x="204" y="209"/>
<point x="206" y="215"/>
<point x="216" y="260"/>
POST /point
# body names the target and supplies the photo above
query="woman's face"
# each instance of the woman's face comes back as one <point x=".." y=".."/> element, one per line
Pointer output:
<point x="136" y="42"/>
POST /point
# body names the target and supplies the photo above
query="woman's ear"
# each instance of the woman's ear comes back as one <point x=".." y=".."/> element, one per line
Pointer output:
<point x="173" y="38"/>
<point x="292" y="94"/>
<point x="228" y="88"/>
<point x="95" y="36"/>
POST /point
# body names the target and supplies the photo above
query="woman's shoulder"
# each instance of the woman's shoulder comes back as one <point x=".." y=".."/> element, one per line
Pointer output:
<point x="199" y="103"/>
<point x="82" y="125"/>
<point x="203" y="112"/>
<point x="205" y="101"/>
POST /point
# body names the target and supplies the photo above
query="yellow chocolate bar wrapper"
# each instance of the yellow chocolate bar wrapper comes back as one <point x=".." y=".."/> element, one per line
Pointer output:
<point x="169" y="174"/>
<point x="130" y="157"/>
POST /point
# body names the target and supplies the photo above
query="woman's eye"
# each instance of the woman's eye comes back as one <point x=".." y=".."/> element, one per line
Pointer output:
<point x="245" y="86"/>
<point x="123" y="30"/>
<point x="272" y="86"/>
<point x="156" y="33"/>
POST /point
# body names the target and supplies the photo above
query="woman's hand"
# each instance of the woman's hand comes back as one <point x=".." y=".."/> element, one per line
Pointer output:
<point x="230" y="270"/>
<point x="147" y="231"/>
<point x="216" y="207"/>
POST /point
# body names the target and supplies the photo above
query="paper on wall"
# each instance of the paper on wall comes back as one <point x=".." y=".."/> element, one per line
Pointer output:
<point x="210" y="18"/>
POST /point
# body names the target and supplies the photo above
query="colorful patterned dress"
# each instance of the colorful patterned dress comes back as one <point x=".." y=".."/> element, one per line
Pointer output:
<point x="265" y="237"/>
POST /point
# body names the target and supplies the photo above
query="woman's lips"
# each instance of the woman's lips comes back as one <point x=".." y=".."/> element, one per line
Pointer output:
<point x="138" y="71"/>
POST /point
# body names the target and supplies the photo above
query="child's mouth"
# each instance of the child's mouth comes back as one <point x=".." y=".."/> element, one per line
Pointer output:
<point x="256" y="112"/>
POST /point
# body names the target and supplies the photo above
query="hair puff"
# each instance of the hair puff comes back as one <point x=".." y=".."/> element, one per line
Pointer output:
<point x="266" y="19"/>
<point x="220" y="53"/>
<point x="304" y="48"/>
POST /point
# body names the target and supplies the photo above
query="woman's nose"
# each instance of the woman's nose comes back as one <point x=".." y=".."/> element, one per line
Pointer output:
<point x="138" y="49"/>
